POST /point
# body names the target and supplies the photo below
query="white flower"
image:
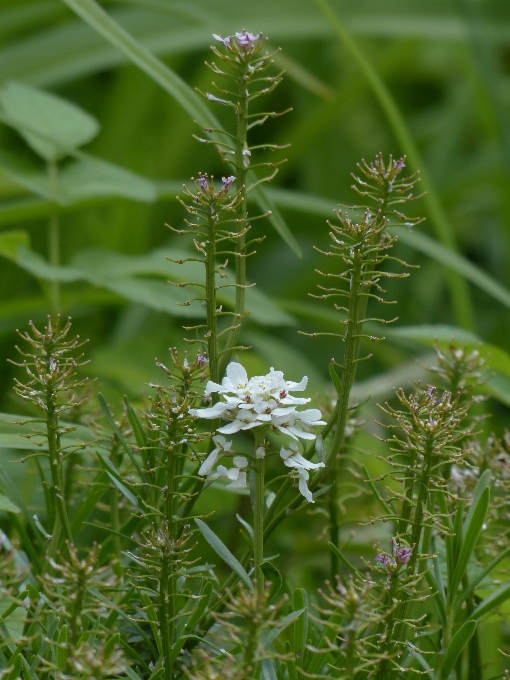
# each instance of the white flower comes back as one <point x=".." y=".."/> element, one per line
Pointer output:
<point x="261" y="400"/>
<point x="289" y="423"/>
<point x="293" y="459"/>
<point x="222" y="446"/>
<point x="237" y="474"/>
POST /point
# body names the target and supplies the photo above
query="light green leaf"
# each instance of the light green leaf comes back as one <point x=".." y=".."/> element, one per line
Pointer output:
<point x="492" y="601"/>
<point x="91" y="177"/>
<point x="7" y="505"/>
<point x="471" y="535"/>
<point x="459" y="641"/>
<point x="222" y="551"/>
<point x="52" y="126"/>
<point x="35" y="264"/>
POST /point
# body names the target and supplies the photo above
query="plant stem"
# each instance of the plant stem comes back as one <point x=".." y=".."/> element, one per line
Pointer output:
<point x="258" y="517"/>
<point x="210" y="294"/>
<point x="241" y="215"/>
<point x="54" y="234"/>
<point x="53" y="433"/>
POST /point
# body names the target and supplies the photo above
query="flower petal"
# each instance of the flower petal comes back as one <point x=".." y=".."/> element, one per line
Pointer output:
<point x="209" y="463"/>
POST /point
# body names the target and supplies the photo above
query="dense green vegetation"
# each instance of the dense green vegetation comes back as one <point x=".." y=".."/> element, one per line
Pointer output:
<point x="84" y="227"/>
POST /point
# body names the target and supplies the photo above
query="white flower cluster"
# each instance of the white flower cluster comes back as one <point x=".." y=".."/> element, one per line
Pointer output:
<point x="261" y="401"/>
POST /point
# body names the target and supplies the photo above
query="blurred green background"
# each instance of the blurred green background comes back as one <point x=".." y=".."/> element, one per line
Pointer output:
<point x="426" y="78"/>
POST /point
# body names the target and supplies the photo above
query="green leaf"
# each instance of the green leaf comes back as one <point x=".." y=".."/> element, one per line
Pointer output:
<point x="7" y="505"/>
<point x="270" y="637"/>
<point x="106" y="410"/>
<point x="273" y="576"/>
<point x="192" y="621"/>
<point x="343" y="559"/>
<point x="91" y="177"/>
<point x="52" y="126"/>
<point x="300" y="603"/>
<point x="61" y="648"/>
<point x="222" y="551"/>
<point x="459" y="641"/>
<point x="476" y="580"/>
<point x="471" y="534"/>
<point x="492" y="601"/>
<point x="268" y="669"/>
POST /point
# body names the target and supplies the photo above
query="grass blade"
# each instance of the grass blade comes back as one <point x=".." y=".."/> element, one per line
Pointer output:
<point x="459" y="641"/>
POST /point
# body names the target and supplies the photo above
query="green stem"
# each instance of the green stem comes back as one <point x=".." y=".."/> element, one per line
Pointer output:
<point x="53" y="434"/>
<point x="54" y="234"/>
<point x="241" y="215"/>
<point x="165" y="617"/>
<point x="258" y="516"/>
<point x="167" y="594"/>
<point x="334" y="527"/>
<point x="210" y="294"/>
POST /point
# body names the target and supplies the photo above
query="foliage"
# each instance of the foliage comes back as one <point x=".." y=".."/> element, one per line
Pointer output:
<point x="170" y="519"/>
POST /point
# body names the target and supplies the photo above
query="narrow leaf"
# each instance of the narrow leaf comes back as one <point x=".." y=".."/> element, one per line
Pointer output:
<point x="471" y="534"/>
<point x="459" y="641"/>
<point x="222" y="551"/>
<point x="492" y="601"/>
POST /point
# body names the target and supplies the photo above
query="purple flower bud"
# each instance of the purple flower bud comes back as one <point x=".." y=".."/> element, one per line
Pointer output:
<point x="202" y="360"/>
<point x="202" y="183"/>
<point x="245" y="40"/>
<point x="227" y="181"/>
<point x="398" y="165"/>
<point x="384" y="559"/>
<point x="403" y="555"/>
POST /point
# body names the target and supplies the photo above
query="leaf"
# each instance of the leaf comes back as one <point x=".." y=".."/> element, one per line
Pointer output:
<point x="273" y="576"/>
<point x="13" y="427"/>
<point x="300" y="603"/>
<point x="268" y="669"/>
<point x="192" y="621"/>
<point x="492" y="601"/>
<point x="222" y="551"/>
<point x="122" y="441"/>
<point x="270" y="637"/>
<point x="343" y="558"/>
<point x="52" y="126"/>
<point x="457" y="644"/>
<point x="466" y="592"/>
<point x="34" y="263"/>
<point x="7" y="505"/>
<point x="61" y="649"/>
<point x="471" y="535"/>
<point x="91" y="177"/>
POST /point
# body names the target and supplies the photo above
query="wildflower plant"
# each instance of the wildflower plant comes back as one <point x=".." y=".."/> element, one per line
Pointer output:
<point x="110" y="581"/>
